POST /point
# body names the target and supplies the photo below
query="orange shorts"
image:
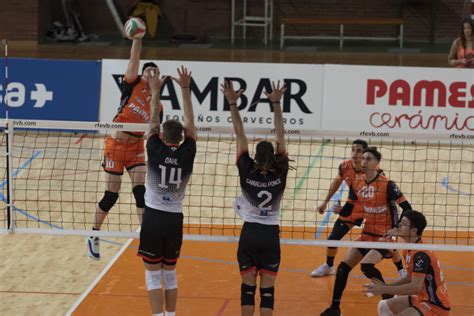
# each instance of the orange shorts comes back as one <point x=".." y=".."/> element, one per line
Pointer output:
<point x="120" y="154"/>
<point x="356" y="217"/>
<point x="426" y="308"/>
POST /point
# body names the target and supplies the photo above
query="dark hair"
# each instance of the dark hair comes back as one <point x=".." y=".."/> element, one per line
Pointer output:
<point x="373" y="150"/>
<point x="361" y="142"/>
<point x="463" y="37"/>
<point x="173" y="131"/>
<point x="149" y="64"/>
<point x="266" y="160"/>
<point x="417" y="220"/>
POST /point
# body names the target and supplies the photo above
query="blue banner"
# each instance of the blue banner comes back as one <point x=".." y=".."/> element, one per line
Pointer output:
<point x="45" y="89"/>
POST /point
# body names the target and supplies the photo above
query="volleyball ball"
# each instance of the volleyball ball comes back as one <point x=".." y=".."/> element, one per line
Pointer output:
<point x="135" y="28"/>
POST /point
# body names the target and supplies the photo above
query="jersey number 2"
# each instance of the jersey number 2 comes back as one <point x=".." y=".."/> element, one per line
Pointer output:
<point x="265" y="206"/>
<point x="175" y="177"/>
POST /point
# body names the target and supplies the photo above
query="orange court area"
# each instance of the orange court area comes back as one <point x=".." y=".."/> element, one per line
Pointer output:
<point x="209" y="283"/>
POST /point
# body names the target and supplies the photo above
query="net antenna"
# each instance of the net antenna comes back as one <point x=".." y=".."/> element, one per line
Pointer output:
<point x="9" y="142"/>
<point x="5" y="79"/>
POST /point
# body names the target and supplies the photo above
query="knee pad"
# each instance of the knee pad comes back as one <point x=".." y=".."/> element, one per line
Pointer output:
<point x="108" y="201"/>
<point x="247" y="294"/>
<point x="169" y="279"/>
<point x="384" y="309"/>
<point x="139" y="194"/>
<point x="339" y="230"/>
<point x="153" y="279"/>
<point x="370" y="271"/>
<point x="343" y="269"/>
<point x="267" y="297"/>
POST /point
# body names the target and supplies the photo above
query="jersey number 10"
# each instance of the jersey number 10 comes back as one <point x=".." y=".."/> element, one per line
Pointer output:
<point x="174" y="177"/>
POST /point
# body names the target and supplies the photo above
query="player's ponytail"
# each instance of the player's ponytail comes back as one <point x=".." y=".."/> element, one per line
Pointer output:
<point x="266" y="160"/>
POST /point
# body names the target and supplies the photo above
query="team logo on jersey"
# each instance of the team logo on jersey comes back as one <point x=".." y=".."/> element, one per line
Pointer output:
<point x="419" y="263"/>
<point x="397" y="189"/>
<point x="167" y="197"/>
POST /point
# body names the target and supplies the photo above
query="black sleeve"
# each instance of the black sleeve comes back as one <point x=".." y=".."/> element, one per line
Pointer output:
<point x="352" y="195"/>
<point x="154" y="146"/>
<point x="244" y="162"/>
<point x="347" y="209"/>
<point x="405" y="207"/>
<point x="127" y="87"/>
<point x="189" y="147"/>
<point x="393" y="194"/>
<point x="393" y="191"/>
<point x="421" y="263"/>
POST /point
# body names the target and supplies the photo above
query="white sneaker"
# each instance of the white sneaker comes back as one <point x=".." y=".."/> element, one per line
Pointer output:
<point x="402" y="273"/>
<point x="323" y="270"/>
<point x="93" y="247"/>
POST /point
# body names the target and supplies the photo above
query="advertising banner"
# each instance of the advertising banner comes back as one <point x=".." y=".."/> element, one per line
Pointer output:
<point x="42" y="89"/>
<point x="301" y="103"/>
<point x="429" y="103"/>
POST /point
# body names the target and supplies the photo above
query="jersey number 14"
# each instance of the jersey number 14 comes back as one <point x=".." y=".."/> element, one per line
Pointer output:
<point x="174" y="177"/>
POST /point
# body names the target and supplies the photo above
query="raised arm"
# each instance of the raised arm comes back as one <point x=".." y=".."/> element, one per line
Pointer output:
<point x="184" y="81"/>
<point x="275" y="97"/>
<point x="134" y="61"/>
<point x="232" y="97"/>
<point x="155" y="107"/>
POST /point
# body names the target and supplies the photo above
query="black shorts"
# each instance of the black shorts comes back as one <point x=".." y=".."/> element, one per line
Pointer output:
<point x="386" y="253"/>
<point x="259" y="248"/>
<point x="161" y="236"/>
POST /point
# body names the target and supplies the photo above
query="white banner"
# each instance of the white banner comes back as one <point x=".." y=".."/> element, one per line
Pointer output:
<point x="428" y="103"/>
<point x="301" y="103"/>
<point x="330" y="100"/>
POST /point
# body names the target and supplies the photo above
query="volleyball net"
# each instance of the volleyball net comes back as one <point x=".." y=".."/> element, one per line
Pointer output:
<point x="53" y="180"/>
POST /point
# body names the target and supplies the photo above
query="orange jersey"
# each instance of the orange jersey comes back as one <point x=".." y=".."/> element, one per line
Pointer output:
<point x="348" y="174"/>
<point x="377" y="199"/>
<point x="424" y="263"/>
<point x="462" y="53"/>
<point x="347" y="171"/>
<point x="134" y="103"/>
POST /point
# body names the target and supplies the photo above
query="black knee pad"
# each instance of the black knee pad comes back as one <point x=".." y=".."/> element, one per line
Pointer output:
<point x="247" y="294"/>
<point x="108" y="201"/>
<point x="139" y="194"/>
<point x="343" y="269"/>
<point x="267" y="297"/>
<point x="370" y="271"/>
<point x="339" y="230"/>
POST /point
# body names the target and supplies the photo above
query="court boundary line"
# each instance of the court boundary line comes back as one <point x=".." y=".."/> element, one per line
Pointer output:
<point x="99" y="277"/>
